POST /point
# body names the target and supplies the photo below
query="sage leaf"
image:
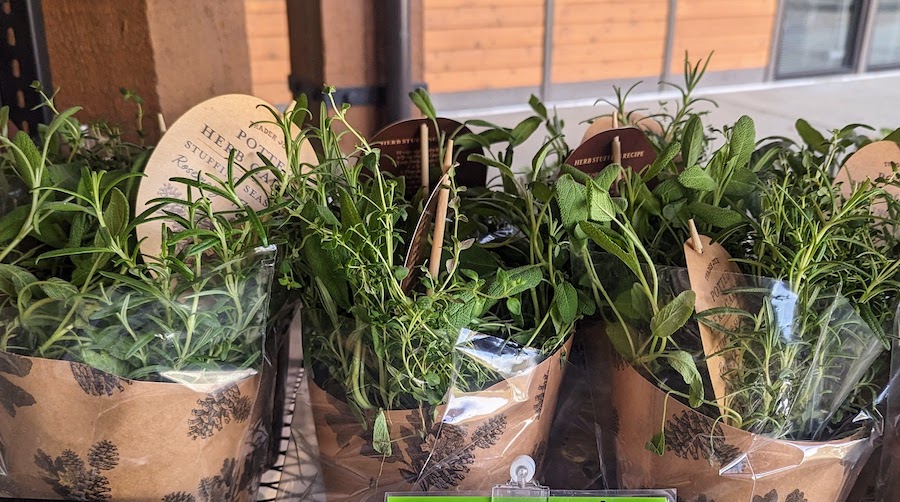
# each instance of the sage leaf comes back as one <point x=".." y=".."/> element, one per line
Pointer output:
<point x="742" y="183"/>
<point x="381" y="435"/>
<point x="422" y="100"/>
<point x="894" y="136"/>
<point x="674" y="315"/>
<point x="58" y="289"/>
<point x="514" y="306"/>
<point x="535" y="103"/>
<point x="11" y="223"/>
<point x="602" y="208"/>
<point x="719" y="217"/>
<point x="607" y="176"/>
<point x="743" y="140"/>
<point x="667" y="156"/>
<point x="669" y="191"/>
<point x="620" y="340"/>
<point x="598" y="234"/>
<point x="117" y="213"/>
<point x="524" y="130"/>
<point x="693" y="141"/>
<point x="684" y="364"/>
<point x="657" y="444"/>
<point x="571" y="197"/>
<point x="697" y="178"/>
<point x="811" y="136"/>
<point x="566" y="300"/>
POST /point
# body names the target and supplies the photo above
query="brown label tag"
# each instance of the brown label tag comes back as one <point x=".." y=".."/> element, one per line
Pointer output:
<point x="873" y="161"/>
<point x="643" y="123"/>
<point x="401" y="148"/>
<point x="597" y="152"/>
<point x="417" y="245"/>
<point x="199" y="144"/>
<point x="712" y="273"/>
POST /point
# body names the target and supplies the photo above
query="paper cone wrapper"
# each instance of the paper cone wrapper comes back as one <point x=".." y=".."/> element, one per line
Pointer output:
<point x="707" y="461"/>
<point x="467" y="444"/>
<point x="69" y="431"/>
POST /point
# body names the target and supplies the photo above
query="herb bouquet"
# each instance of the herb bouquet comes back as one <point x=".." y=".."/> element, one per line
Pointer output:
<point x="730" y="386"/>
<point x="122" y="377"/>
<point x="419" y="380"/>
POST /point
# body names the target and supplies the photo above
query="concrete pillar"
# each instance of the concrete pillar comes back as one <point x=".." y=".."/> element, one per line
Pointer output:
<point x="173" y="53"/>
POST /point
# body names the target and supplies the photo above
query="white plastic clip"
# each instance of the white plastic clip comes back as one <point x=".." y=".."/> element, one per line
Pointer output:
<point x="521" y="483"/>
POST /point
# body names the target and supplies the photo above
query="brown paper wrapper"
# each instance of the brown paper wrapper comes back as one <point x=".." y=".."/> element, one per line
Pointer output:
<point x="467" y="444"/>
<point x="708" y="461"/>
<point x="69" y="431"/>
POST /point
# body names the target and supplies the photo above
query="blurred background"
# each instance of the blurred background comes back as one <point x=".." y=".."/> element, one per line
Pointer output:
<point x="476" y="57"/>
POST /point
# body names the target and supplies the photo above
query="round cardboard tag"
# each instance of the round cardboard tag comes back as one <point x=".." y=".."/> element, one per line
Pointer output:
<point x="872" y="161"/>
<point x="643" y="123"/>
<point x="199" y="144"/>
<point x="596" y="153"/>
<point x="400" y="146"/>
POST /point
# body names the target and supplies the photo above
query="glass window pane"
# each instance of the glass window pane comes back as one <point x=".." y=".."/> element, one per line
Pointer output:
<point x="817" y="36"/>
<point x="884" y="49"/>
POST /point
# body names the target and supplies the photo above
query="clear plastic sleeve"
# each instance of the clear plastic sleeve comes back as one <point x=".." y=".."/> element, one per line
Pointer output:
<point x="151" y="397"/>
<point x="888" y="484"/>
<point x="464" y="444"/>
<point x="791" y="429"/>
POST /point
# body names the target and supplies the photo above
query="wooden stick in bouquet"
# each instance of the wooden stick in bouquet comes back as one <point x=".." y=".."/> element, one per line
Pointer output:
<point x="440" y="218"/>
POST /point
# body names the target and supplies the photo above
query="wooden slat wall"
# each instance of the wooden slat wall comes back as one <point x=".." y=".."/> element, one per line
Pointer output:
<point x="269" y="54"/>
<point x="608" y="39"/>
<point x="740" y="33"/>
<point x="473" y="45"/>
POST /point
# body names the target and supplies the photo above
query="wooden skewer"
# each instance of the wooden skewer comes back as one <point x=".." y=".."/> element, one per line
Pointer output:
<point x="440" y="217"/>
<point x="696" y="243"/>
<point x="616" y="144"/>
<point x="162" y="123"/>
<point x="423" y="139"/>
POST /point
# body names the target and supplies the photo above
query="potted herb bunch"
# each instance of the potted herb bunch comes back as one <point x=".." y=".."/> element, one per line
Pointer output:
<point x="124" y="376"/>
<point x="422" y="377"/>
<point x="745" y="293"/>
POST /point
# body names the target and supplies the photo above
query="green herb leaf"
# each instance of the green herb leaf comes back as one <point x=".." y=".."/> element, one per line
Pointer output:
<point x="524" y="130"/>
<point x="669" y="191"/>
<point x="605" y="178"/>
<point x="811" y="136"/>
<point x="667" y="156"/>
<point x="537" y="106"/>
<point x="894" y="136"/>
<point x="718" y="217"/>
<point x="597" y="234"/>
<point x="674" y="315"/>
<point x="11" y="223"/>
<point x="514" y="306"/>
<point x="422" y="100"/>
<point x="566" y="300"/>
<point x="684" y="364"/>
<point x="602" y="208"/>
<point x="657" y="445"/>
<point x="697" y="178"/>
<point x="572" y="199"/>
<point x="618" y="336"/>
<point x="742" y="183"/>
<point x="381" y="435"/>
<point x="693" y="141"/>
<point x="743" y="141"/>
<point x="117" y="213"/>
